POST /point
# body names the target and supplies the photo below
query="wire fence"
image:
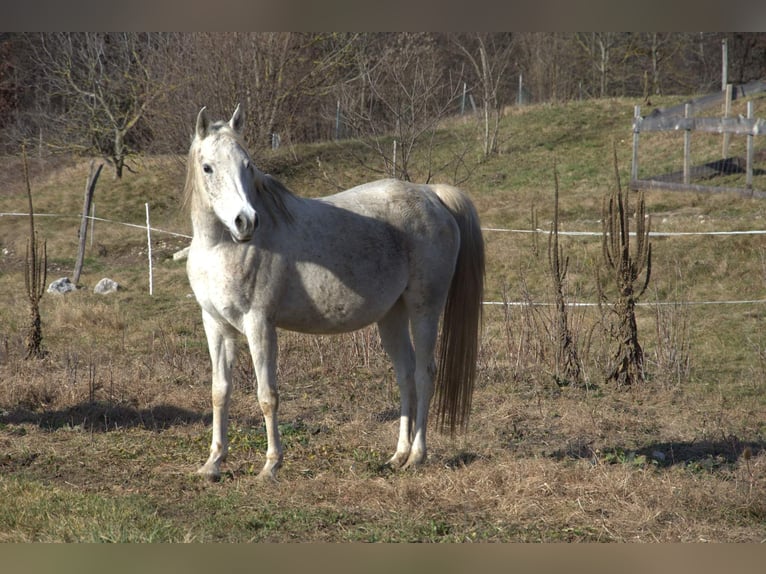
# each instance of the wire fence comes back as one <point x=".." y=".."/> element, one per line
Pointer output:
<point x="150" y="230"/>
<point x="93" y="218"/>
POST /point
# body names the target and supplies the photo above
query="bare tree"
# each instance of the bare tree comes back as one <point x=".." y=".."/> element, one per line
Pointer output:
<point x="8" y="88"/>
<point x="246" y="68"/>
<point x="115" y="94"/>
<point x="600" y="49"/>
<point x="658" y="44"/>
<point x="747" y="56"/>
<point x="489" y="55"/>
<point x="660" y="55"/>
<point x="101" y="85"/>
<point x="280" y="78"/>
<point x="398" y="91"/>
<point x="547" y="65"/>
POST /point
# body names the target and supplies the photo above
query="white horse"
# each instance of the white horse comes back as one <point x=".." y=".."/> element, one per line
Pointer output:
<point x="387" y="252"/>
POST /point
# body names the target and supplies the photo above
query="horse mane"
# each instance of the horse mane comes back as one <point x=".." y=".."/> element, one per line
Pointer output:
<point x="272" y="192"/>
<point x="189" y="184"/>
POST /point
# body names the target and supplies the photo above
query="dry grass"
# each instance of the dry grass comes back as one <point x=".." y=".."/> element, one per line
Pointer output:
<point x="99" y="440"/>
<point x="538" y="464"/>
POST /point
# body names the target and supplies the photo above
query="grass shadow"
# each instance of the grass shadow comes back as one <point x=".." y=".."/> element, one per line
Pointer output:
<point x="704" y="453"/>
<point x="461" y="460"/>
<point x="102" y="417"/>
<point x="724" y="451"/>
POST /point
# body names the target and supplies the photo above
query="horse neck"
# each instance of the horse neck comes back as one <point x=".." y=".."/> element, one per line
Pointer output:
<point x="205" y="225"/>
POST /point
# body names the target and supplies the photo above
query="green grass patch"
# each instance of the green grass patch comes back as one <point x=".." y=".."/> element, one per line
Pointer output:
<point x="35" y="512"/>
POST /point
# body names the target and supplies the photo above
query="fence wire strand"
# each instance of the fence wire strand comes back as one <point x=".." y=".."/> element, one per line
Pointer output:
<point x="500" y="230"/>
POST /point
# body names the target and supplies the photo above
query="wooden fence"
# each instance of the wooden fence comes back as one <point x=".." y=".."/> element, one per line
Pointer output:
<point x="682" y="118"/>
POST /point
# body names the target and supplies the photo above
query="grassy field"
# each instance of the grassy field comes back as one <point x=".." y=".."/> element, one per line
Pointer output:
<point x="99" y="440"/>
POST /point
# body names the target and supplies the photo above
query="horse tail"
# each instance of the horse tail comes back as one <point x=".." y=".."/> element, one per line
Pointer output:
<point x="461" y="323"/>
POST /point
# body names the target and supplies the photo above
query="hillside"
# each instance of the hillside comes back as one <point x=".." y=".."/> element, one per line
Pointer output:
<point x="119" y="408"/>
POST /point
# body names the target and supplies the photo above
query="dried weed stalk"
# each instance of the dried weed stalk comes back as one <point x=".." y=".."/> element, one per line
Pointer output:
<point x="567" y="366"/>
<point x="630" y="270"/>
<point x="673" y="349"/>
<point x="526" y="333"/>
<point x="35" y="275"/>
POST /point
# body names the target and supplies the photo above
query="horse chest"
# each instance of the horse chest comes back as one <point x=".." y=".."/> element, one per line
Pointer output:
<point x="218" y="287"/>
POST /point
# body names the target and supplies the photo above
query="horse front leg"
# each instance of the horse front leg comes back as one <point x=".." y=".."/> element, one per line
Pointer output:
<point x="222" y="355"/>
<point x="262" y="339"/>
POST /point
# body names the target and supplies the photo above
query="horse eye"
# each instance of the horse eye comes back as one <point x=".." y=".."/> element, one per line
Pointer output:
<point x="207" y="168"/>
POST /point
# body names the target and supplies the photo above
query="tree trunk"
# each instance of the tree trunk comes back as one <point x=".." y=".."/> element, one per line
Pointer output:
<point x="90" y="188"/>
<point x="119" y="152"/>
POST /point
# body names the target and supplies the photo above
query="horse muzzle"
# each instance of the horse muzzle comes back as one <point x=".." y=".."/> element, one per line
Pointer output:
<point x="244" y="225"/>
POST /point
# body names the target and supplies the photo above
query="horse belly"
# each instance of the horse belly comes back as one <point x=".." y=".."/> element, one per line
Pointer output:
<point x="322" y="303"/>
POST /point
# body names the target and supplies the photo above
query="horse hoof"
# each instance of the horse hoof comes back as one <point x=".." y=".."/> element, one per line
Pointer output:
<point x="267" y="477"/>
<point x="415" y="460"/>
<point x="211" y="476"/>
<point x="397" y="461"/>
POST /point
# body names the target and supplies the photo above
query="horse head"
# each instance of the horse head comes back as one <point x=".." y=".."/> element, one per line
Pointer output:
<point x="224" y="174"/>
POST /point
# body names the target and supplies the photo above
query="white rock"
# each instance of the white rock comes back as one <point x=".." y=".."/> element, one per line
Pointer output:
<point x="61" y="286"/>
<point x="105" y="286"/>
<point x="181" y="255"/>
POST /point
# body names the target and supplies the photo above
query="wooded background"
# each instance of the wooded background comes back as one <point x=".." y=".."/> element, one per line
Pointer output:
<point x="118" y="94"/>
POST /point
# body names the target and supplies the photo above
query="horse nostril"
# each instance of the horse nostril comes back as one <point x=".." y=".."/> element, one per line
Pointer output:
<point x="243" y="225"/>
<point x="256" y="222"/>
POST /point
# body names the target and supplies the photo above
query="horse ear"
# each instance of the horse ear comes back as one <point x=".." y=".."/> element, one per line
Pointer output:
<point x="202" y="123"/>
<point x="237" y="121"/>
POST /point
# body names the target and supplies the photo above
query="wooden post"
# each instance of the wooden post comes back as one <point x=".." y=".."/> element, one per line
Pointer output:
<point x="687" y="147"/>
<point x="149" y="243"/>
<point x="393" y="170"/>
<point x="750" y="150"/>
<point x="726" y="114"/>
<point x="92" y="223"/>
<point x="636" y="131"/>
<point x="724" y="64"/>
<point x="337" y="121"/>
<point x="90" y="188"/>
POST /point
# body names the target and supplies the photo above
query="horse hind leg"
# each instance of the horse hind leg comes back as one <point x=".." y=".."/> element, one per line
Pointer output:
<point x="395" y="336"/>
<point x="425" y="332"/>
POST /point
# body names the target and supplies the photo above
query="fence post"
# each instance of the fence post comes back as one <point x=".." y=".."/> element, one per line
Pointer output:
<point x="393" y="171"/>
<point x="687" y="146"/>
<point x="90" y="188"/>
<point x="92" y="222"/>
<point x="337" y="121"/>
<point x="750" y="150"/>
<point x="726" y="114"/>
<point x="636" y="131"/>
<point x="149" y="243"/>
